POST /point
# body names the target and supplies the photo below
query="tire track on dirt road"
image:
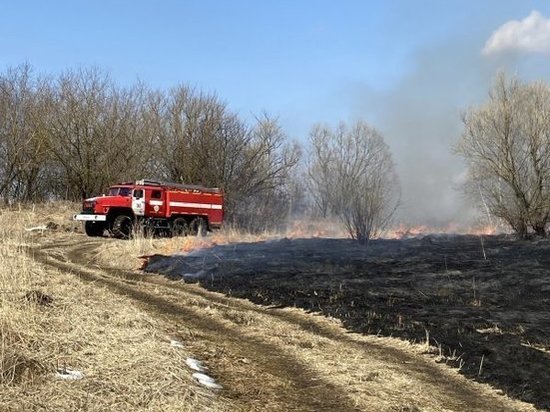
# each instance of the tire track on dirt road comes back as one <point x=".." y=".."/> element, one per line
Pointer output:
<point x="291" y="385"/>
<point x="305" y="390"/>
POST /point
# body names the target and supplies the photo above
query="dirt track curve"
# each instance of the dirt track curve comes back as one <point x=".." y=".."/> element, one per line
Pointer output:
<point x="255" y="366"/>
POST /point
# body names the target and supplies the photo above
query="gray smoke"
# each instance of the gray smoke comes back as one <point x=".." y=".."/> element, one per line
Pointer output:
<point x="421" y="121"/>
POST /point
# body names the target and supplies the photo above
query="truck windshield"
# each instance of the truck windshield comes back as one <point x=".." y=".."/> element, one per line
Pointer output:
<point x="120" y="191"/>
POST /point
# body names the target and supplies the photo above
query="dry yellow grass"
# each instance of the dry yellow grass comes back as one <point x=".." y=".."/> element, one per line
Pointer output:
<point x="116" y="330"/>
<point x="125" y="254"/>
<point x="377" y="374"/>
<point x="51" y="320"/>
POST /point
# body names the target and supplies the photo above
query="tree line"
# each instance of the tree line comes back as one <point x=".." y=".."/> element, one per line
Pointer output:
<point x="74" y="134"/>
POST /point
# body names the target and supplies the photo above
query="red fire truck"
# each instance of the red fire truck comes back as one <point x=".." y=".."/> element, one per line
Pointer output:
<point x="154" y="206"/>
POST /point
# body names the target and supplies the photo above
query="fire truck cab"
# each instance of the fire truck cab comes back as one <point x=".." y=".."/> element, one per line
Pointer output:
<point x="154" y="207"/>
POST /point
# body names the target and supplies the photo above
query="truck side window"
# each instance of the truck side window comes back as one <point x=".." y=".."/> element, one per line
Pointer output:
<point x="138" y="193"/>
<point x="155" y="194"/>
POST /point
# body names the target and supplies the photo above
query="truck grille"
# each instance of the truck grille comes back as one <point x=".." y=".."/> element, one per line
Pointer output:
<point x="88" y="211"/>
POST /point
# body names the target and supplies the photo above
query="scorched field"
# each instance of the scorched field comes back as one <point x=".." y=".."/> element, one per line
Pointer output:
<point x="479" y="304"/>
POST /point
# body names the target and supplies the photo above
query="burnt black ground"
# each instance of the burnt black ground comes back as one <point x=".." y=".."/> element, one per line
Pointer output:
<point x="483" y="301"/>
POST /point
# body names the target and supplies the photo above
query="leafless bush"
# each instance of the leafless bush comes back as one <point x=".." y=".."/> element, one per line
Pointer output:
<point x="352" y="176"/>
<point x="506" y="144"/>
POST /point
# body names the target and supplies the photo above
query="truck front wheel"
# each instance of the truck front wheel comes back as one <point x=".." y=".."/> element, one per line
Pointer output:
<point x="122" y="227"/>
<point x="94" y="229"/>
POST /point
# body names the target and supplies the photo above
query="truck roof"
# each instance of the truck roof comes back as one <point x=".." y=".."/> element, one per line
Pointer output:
<point x="171" y="185"/>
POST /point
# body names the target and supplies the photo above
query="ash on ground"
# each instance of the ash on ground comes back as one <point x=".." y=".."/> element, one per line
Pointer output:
<point x="475" y="297"/>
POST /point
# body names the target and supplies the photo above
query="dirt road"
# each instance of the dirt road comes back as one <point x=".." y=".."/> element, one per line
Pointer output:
<point x="270" y="358"/>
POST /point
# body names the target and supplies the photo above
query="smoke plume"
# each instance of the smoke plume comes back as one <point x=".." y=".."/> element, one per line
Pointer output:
<point x="420" y="118"/>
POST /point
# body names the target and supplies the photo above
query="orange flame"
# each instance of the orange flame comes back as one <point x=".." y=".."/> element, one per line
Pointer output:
<point x="319" y="229"/>
<point x="403" y="231"/>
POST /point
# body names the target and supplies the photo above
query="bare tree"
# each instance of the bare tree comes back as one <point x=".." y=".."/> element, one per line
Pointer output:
<point x="320" y="169"/>
<point x="353" y="176"/>
<point x="75" y="137"/>
<point x="22" y="149"/>
<point x="259" y="188"/>
<point x="97" y="133"/>
<point x="506" y="144"/>
<point x="193" y="125"/>
<point x="205" y="143"/>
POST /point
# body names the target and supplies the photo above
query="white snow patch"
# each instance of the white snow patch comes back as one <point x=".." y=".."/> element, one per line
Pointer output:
<point x="206" y="380"/>
<point x="211" y="385"/>
<point x="32" y="229"/>
<point x="69" y="374"/>
<point x="195" y="364"/>
<point x="176" y="343"/>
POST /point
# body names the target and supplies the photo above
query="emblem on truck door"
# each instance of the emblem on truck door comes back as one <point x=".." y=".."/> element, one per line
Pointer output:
<point x="138" y="202"/>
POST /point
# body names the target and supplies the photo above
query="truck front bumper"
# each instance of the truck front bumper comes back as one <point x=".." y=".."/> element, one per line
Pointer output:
<point x="90" y="218"/>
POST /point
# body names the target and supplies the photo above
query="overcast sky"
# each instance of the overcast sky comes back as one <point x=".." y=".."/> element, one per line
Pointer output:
<point x="407" y="67"/>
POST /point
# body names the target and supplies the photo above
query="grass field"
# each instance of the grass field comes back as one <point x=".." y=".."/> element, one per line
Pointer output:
<point x="51" y="321"/>
<point x="70" y="302"/>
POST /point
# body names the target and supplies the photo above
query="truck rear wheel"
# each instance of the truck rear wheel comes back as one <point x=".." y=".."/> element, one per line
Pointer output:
<point x="198" y="226"/>
<point x="122" y="227"/>
<point x="179" y="227"/>
<point x="94" y="229"/>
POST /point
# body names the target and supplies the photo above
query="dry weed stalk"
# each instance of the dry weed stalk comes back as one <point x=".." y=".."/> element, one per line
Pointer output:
<point x="481" y="365"/>
<point x="482" y="247"/>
